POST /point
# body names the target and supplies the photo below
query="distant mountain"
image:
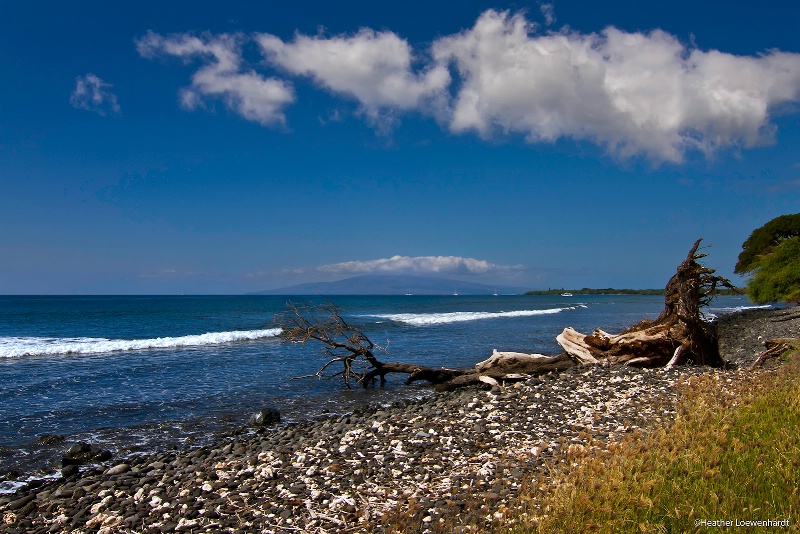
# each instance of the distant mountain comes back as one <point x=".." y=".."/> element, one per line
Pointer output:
<point x="390" y="284"/>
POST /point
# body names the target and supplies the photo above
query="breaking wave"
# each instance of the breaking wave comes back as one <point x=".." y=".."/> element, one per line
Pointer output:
<point x="15" y="347"/>
<point x="714" y="313"/>
<point x="427" y="319"/>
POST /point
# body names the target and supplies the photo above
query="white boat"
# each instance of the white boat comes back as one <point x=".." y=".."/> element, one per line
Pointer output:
<point x="566" y="294"/>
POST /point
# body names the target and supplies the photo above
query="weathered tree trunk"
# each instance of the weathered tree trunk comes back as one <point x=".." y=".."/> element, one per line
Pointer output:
<point x="500" y="366"/>
<point x="678" y="335"/>
<point x="507" y="366"/>
<point x="415" y="372"/>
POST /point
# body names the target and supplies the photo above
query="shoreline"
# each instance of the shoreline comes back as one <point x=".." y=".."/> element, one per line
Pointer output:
<point x="462" y="457"/>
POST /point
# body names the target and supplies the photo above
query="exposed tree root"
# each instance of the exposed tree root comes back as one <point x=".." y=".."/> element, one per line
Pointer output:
<point x="678" y="335"/>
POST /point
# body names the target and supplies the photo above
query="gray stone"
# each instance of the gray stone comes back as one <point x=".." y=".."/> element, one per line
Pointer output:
<point x="70" y="471"/>
<point x="265" y="417"/>
<point x="118" y="469"/>
<point x="19" y="503"/>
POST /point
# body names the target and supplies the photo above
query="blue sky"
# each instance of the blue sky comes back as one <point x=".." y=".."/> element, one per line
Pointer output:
<point x="209" y="147"/>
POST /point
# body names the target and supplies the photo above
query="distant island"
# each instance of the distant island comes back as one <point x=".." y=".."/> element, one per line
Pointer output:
<point x="384" y="284"/>
<point x="589" y="291"/>
<point x="395" y="285"/>
<point x="612" y="291"/>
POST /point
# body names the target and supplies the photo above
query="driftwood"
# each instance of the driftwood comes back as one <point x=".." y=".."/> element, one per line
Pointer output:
<point x="501" y="367"/>
<point x="343" y="342"/>
<point x="678" y="335"/>
<point x="349" y="346"/>
<point x="774" y="347"/>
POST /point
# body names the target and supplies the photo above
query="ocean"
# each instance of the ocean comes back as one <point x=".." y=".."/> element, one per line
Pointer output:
<point x="142" y="373"/>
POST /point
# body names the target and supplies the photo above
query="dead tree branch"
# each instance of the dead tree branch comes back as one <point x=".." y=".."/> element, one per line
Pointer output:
<point x="773" y="347"/>
<point x="344" y="343"/>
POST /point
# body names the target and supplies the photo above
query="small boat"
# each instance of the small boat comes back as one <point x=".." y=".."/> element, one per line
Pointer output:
<point x="566" y="294"/>
<point x="408" y="293"/>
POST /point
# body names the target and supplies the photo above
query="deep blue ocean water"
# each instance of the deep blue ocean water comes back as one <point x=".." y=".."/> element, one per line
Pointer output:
<point x="142" y="373"/>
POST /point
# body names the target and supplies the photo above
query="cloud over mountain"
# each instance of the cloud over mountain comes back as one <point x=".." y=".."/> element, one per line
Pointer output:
<point x="451" y="265"/>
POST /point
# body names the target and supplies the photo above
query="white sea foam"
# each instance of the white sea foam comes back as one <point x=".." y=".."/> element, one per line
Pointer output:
<point x="427" y="319"/>
<point x="740" y="308"/>
<point x="713" y="313"/>
<point x="15" y="347"/>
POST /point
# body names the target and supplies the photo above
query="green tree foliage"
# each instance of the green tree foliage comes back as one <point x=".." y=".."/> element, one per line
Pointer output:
<point x="764" y="240"/>
<point x="777" y="275"/>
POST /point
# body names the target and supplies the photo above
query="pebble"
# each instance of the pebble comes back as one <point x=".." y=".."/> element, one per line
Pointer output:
<point x="118" y="470"/>
<point x="462" y="454"/>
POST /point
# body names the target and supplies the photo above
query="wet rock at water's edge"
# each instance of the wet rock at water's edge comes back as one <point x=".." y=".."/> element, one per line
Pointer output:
<point x="265" y="417"/>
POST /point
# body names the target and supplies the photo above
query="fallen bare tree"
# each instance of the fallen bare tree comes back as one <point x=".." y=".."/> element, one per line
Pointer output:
<point x="678" y="335"/>
<point x="349" y="346"/>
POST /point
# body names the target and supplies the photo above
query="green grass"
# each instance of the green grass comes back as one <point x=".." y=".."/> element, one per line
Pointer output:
<point x="732" y="453"/>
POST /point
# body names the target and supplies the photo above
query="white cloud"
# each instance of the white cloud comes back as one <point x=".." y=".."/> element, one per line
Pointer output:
<point x="93" y="94"/>
<point x="249" y="94"/>
<point x="375" y="68"/>
<point x="633" y="93"/>
<point x="417" y="264"/>
<point x="170" y="273"/>
<point x="549" y="13"/>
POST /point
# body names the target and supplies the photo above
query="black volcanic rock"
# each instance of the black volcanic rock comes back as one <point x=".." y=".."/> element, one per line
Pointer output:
<point x="265" y="417"/>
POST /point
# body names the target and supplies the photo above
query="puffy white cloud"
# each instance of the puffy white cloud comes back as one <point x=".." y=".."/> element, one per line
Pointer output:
<point x="249" y="94"/>
<point x="375" y="68"/>
<point x="415" y="264"/>
<point x="93" y="94"/>
<point x="633" y="93"/>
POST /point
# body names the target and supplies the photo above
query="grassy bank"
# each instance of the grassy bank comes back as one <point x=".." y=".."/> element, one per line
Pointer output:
<point x="732" y="454"/>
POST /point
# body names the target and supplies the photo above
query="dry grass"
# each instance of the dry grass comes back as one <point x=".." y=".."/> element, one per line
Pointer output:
<point x="732" y="453"/>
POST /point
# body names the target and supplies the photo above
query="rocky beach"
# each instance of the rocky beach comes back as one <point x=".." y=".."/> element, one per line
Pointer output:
<point x="459" y="458"/>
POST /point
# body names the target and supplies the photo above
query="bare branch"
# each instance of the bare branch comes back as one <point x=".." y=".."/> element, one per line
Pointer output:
<point x="345" y="343"/>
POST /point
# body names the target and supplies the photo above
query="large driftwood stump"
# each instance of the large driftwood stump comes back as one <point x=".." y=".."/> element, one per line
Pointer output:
<point x="678" y="335"/>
